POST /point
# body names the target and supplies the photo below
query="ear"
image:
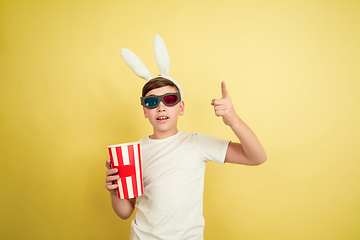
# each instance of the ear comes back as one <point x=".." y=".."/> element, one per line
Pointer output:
<point x="182" y="108"/>
<point x="135" y="64"/>
<point x="145" y="112"/>
<point x="161" y="56"/>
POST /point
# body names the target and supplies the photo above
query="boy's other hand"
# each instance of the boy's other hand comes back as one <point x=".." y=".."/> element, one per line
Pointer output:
<point x="223" y="107"/>
<point x="110" y="178"/>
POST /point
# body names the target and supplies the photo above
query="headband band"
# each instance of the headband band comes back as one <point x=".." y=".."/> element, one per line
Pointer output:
<point x="162" y="60"/>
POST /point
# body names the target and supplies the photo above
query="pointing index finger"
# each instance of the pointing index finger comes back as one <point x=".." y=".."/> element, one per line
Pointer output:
<point x="224" y="92"/>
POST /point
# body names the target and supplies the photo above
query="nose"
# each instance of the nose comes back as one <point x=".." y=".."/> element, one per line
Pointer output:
<point x="161" y="107"/>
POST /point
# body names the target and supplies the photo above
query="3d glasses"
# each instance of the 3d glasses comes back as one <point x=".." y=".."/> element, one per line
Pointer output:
<point x="169" y="99"/>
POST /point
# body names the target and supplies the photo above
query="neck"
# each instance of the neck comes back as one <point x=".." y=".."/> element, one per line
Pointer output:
<point x="163" y="135"/>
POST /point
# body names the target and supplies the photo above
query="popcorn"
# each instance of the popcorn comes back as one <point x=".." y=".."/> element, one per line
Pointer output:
<point x="127" y="159"/>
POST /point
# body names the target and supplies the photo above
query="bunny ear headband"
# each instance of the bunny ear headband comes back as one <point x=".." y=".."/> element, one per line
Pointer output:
<point x="162" y="60"/>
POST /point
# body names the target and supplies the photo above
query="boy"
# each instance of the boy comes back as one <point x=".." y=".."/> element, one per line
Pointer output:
<point x="174" y="163"/>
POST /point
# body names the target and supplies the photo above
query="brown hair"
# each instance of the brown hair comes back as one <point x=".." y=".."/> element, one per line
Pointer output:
<point x="157" y="82"/>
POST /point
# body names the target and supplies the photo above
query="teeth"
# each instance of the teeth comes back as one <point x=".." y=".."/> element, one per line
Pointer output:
<point x="161" y="118"/>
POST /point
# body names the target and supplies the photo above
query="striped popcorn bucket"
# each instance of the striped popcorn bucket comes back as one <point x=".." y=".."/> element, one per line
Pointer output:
<point x="127" y="159"/>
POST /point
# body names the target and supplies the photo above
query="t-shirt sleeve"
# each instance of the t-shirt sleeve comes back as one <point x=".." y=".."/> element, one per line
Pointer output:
<point x="212" y="148"/>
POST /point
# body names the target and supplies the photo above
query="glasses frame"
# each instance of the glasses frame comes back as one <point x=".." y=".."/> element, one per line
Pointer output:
<point x="160" y="98"/>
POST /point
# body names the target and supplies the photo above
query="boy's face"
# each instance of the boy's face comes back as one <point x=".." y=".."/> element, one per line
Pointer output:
<point x="164" y="118"/>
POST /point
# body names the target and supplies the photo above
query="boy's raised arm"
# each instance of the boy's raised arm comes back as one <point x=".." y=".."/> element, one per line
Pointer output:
<point x="249" y="151"/>
<point x="122" y="207"/>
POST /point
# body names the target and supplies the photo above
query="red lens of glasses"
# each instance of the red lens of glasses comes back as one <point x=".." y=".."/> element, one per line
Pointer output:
<point x="170" y="99"/>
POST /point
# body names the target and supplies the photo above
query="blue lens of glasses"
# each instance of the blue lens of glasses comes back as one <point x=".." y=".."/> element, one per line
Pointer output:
<point x="150" y="102"/>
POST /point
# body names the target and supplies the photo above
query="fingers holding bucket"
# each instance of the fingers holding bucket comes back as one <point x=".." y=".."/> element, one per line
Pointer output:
<point x="111" y="177"/>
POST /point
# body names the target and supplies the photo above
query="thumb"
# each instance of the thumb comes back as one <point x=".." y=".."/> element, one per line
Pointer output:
<point x="224" y="92"/>
<point x="108" y="164"/>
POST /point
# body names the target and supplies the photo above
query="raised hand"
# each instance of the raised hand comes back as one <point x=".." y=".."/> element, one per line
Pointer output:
<point x="223" y="107"/>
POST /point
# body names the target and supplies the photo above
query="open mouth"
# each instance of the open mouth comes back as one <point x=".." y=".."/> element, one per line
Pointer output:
<point x="162" y="118"/>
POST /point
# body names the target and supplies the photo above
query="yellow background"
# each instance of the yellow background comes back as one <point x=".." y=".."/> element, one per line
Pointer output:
<point x="292" y="69"/>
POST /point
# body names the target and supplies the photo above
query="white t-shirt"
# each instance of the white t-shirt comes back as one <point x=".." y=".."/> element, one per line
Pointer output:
<point x="173" y="177"/>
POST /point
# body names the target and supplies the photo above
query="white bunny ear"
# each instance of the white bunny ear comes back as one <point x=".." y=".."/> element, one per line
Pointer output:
<point x="135" y="64"/>
<point x="161" y="55"/>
